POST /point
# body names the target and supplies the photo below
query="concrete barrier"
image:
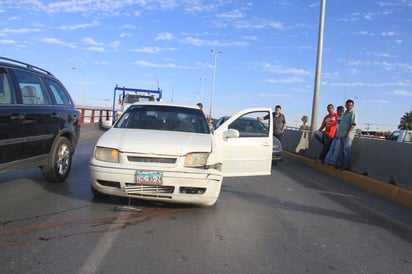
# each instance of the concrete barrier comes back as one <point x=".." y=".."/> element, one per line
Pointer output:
<point x="380" y="159"/>
<point x="397" y="194"/>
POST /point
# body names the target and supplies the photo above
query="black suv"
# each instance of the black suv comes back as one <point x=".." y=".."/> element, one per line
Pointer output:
<point x="39" y="124"/>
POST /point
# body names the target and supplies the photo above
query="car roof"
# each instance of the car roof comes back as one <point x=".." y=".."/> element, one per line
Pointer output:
<point x="157" y="103"/>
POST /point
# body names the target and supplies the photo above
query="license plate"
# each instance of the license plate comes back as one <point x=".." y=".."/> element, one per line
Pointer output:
<point x="149" y="177"/>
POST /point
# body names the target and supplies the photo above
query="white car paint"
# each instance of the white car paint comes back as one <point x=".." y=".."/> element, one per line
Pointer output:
<point x="244" y="156"/>
<point x="201" y="186"/>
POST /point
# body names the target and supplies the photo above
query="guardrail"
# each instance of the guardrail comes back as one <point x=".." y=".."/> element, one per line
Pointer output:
<point x="94" y="114"/>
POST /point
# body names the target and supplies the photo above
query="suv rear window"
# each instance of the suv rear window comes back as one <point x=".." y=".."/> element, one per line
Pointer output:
<point x="32" y="90"/>
<point x="59" y="95"/>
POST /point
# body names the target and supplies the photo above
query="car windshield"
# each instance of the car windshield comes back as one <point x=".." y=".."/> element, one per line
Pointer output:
<point x="160" y="117"/>
<point x="133" y="98"/>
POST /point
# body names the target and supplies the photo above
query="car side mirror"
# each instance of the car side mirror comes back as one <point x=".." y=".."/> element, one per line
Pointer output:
<point x="231" y="133"/>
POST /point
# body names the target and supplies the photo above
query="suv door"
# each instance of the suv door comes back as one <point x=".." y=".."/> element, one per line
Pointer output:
<point x="248" y="154"/>
<point x="11" y="130"/>
<point x="41" y="122"/>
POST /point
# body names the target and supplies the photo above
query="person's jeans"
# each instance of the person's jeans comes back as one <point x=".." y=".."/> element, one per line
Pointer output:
<point x="331" y="155"/>
<point x="327" y="141"/>
<point x="344" y="151"/>
<point x="319" y="137"/>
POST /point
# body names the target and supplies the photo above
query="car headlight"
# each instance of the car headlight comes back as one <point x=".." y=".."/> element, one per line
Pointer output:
<point x="106" y="154"/>
<point x="196" y="159"/>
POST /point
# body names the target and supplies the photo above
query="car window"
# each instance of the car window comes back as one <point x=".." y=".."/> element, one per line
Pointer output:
<point x="169" y="118"/>
<point x="58" y="92"/>
<point x="133" y="98"/>
<point x="249" y="126"/>
<point x="394" y="136"/>
<point x="31" y="88"/>
<point x="220" y="121"/>
<point x="6" y="92"/>
<point x="408" y="136"/>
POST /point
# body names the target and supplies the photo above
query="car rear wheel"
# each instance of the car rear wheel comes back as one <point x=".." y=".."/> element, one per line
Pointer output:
<point x="59" y="162"/>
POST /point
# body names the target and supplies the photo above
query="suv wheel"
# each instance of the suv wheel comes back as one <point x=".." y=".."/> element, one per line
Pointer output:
<point x="60" y="161"/>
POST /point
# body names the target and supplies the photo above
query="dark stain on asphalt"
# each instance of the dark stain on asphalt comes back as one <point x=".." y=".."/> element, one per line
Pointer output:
<point x="119" y="221"/>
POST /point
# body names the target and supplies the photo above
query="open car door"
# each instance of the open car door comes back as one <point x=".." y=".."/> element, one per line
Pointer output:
<point x="244" y="145"/>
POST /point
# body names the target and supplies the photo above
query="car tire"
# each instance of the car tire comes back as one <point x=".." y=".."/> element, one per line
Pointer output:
<point x="274" y="162"/>
<point x="59" y="162"/>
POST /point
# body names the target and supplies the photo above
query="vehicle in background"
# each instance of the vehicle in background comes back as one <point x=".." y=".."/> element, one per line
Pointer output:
<point x="126" y="98"/>
<point x="403" y="136"/>
<point x="166" y="152"/>
<point x="251" y="127"/>
<point x="39" y="122"/>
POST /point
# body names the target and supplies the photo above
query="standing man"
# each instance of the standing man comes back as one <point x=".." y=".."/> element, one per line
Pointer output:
<point x="329" y="124"/>
<point x="208" y="118"/>
<point x="345" y="135"/>
<point x="279" y="122"/>
<point x="331" y="156"/>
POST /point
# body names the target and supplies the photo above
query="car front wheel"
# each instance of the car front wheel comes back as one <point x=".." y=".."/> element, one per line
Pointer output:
<point x="59" y="162"/>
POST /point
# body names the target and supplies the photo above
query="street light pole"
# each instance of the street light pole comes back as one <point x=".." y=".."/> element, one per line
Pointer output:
<point x="84" y="82"/>
<point x="215" y="53"/>
<point x="314" y="121"/>
<point x="202" y="81"/>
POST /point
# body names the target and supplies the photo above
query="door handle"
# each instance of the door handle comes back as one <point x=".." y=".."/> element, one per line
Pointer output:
<point x="55" y="115"/>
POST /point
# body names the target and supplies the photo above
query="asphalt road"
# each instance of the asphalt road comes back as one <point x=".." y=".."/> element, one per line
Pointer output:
<point x="298" y="220"/>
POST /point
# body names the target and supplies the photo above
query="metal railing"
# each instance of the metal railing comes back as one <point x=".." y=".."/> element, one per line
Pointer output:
<point x="94" y="114"/>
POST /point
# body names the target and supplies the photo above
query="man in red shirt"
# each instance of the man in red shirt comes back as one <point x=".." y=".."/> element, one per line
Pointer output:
<point x="329" y="124"/>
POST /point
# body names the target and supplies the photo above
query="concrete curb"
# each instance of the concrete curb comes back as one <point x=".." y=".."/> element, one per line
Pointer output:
<point x="391" y="192"/>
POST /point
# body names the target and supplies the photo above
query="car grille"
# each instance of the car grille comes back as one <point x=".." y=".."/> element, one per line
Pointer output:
<point x="151" y="160"/>
<point x="149" y="190"/>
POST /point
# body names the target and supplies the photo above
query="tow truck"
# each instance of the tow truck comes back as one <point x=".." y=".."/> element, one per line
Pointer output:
<point x="125" y="98"/>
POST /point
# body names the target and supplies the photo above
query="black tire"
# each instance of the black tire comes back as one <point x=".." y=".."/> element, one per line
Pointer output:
<point x="59" y="162"/>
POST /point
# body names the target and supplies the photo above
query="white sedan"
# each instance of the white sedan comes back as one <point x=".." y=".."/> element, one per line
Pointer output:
<point x="166" y="152"/>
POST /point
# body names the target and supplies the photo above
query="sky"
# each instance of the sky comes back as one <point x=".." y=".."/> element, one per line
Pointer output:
<point x="265" y="52"/>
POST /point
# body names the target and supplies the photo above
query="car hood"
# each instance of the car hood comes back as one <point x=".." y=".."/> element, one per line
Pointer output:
<point x="155" y="141"/>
